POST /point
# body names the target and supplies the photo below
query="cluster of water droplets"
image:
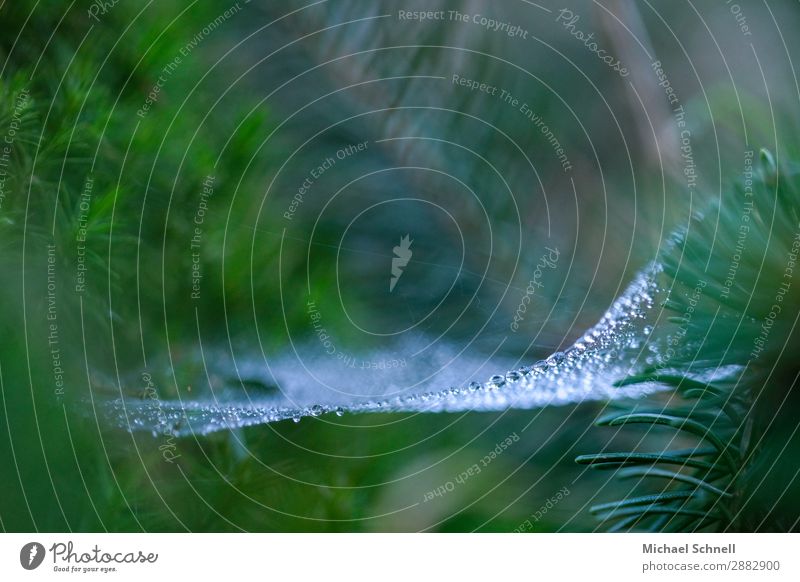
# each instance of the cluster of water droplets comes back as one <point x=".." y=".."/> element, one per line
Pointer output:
<point x="610" y="351"/>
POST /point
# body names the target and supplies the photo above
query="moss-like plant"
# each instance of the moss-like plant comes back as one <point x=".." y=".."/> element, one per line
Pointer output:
<point x="742" y="474"/>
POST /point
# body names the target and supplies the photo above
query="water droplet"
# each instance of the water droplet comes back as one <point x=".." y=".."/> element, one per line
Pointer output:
<point x="296" y="418"/>
<point x="316" y="410"/>
<point x="497" y="380"/>
<point x="513" y="376"/>
<point x="339" y="411"/>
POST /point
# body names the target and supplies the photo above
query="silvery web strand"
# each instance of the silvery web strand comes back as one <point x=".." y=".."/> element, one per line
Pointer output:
<point x="618" y="345"/>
